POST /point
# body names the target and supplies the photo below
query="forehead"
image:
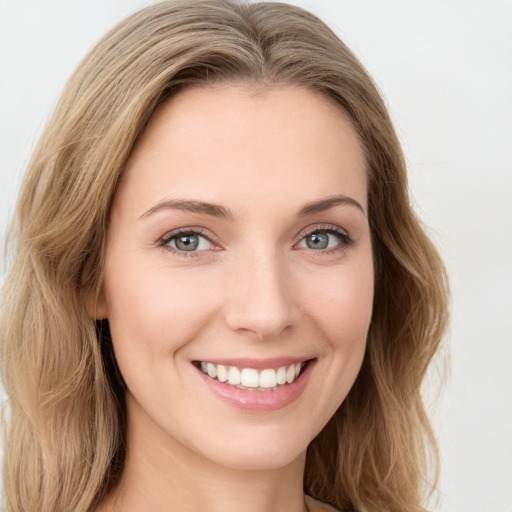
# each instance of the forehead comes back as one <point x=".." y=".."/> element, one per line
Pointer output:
<point x="279" y="142"/>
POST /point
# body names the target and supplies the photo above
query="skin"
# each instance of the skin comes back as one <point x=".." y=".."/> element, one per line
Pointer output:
<point x="255" y="290"/>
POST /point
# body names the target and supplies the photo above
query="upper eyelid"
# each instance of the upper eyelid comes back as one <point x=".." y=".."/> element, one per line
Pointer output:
<point x="321" y="227"/>
<point x="167" y="237"/>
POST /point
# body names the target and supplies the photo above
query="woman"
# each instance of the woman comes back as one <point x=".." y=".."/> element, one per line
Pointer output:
<point x="220" y="296"/>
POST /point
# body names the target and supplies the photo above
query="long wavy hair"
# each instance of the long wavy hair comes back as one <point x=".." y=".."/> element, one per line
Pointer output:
<point x="65" y="422"/>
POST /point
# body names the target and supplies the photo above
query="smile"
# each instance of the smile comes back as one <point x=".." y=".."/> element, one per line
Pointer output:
<point x="256" y="385"/>
<point x="268" y="379"/>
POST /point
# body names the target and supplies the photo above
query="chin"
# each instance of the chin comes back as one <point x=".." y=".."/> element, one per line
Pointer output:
<point x="268" y="449"/>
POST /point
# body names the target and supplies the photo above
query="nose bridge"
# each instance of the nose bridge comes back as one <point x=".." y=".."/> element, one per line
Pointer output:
<point x="260" y="296"/>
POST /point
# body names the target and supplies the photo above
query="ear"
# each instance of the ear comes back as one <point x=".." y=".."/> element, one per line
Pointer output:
<point x="97" y="305"/>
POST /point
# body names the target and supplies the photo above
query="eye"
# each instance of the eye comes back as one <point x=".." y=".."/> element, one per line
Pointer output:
<point x="325" y="239"/>
<point x="187" y="241"/>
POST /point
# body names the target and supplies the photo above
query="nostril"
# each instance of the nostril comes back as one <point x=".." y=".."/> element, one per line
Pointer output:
<point x="261" y="302"/>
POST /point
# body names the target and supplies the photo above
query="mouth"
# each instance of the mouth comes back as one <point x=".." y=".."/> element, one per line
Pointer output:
<point x="256" y="385"/>
<point x="252" y="379"/>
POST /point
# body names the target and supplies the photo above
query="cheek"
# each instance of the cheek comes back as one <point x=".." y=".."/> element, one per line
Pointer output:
<point x="154" y="311"/>
<point x="343" y="314"/>
<point x="343" y="305"/>
<point x="339" y="309"/>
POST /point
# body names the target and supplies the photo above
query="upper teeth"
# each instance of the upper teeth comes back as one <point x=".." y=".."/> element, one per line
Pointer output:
<point x="251" y="378"/>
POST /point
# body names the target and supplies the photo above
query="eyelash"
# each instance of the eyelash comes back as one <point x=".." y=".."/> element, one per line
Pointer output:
<point x="166" y="239"/>
<point x="345" y="240"/>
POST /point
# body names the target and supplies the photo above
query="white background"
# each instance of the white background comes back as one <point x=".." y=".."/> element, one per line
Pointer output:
<point x="445" y="69"/>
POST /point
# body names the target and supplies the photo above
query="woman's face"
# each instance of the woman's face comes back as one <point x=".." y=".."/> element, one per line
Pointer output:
<point x="239" y="254"/>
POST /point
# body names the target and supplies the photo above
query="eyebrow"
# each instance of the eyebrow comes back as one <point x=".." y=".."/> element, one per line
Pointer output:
<point x="202" y="207"/>
<point x="216" y="210"/>
<point x="328" y="203"/>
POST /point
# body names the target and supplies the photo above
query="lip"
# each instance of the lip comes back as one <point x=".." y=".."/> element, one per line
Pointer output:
<point x="259" y="401"/>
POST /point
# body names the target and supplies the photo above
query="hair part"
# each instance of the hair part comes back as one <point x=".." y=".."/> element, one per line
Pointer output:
<point x="66" y="428"/>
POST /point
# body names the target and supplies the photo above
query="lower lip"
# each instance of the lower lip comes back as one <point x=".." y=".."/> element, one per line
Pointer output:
<point x="260" y="401"/>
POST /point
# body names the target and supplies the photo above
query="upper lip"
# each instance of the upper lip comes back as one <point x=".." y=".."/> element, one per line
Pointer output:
<point x="256" y="363"/>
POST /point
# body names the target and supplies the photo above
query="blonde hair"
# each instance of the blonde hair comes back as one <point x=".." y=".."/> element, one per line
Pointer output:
<point x="66" y="425"/>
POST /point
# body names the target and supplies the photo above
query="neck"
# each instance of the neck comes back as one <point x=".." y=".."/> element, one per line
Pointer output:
<point x="162" y="474"/>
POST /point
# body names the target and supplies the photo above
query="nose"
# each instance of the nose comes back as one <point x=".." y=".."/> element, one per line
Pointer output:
<point x="260" y="296"/>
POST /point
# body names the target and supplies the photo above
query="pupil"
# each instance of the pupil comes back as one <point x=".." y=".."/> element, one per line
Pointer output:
<point x="187" y="242"/>
<point x="317" y="241"/>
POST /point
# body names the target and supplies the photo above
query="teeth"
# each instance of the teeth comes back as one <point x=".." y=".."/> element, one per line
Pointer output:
<point x="281" y="375"/>
<point x="250" y="378"/>
<point x="266" y="379"/>
<point x="212" y="370"/>
<point x="234" y="376"/>
<point x="290" y="374"/>
<point x="222" y="373"/>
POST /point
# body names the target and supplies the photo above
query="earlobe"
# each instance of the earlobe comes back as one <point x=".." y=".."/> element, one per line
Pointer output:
<point x="97" y="306"/>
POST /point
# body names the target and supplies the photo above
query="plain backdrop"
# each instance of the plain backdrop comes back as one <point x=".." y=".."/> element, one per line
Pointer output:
<point x="445" y="70"/>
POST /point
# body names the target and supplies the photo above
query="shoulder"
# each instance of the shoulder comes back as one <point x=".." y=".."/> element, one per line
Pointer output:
<point x="317" y="506"/>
